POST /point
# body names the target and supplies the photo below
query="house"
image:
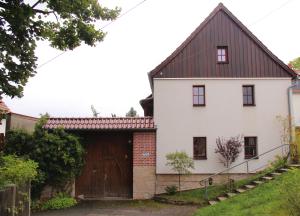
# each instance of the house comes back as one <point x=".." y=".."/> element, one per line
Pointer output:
<point x="220" y="82"/>
<point x="3" y="111"/>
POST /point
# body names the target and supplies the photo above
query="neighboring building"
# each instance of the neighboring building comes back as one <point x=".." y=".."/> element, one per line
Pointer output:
<point x="220" y="82"/>
<point x="19" y="121"/>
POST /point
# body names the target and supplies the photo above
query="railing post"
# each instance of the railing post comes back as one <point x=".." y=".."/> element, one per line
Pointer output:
<point x="205" y="195"/>
<point x="247" y="167"/>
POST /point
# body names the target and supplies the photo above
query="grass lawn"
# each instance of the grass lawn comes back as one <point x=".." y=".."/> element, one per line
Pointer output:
<point x="266" y="199"/>
<point x="197" y="196"/>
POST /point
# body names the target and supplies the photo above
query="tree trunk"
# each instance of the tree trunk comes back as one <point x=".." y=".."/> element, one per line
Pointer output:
<point x="179" y="188"/>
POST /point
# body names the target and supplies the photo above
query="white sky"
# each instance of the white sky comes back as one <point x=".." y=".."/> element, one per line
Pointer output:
<point x="113" y="75"/>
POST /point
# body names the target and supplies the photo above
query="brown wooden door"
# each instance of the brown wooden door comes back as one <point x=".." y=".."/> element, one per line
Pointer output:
<point x="108" y="168"/>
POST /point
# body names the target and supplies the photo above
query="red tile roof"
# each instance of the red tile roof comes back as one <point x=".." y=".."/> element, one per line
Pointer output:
<point x="3" y="107"/>
<point x="128" y="123"/>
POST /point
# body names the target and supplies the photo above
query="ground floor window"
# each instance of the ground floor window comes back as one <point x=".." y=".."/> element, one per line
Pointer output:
<point x="199" y="148"/>
<point x="250" y="144"/>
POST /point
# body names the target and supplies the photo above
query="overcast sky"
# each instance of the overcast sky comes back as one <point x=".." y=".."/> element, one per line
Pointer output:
<point x="113" y="75"/>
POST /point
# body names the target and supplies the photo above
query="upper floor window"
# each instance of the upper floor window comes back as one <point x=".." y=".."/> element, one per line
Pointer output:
<point x="199" y="95"/>
<point x="248" y="95"/>
<point x="199" y="148"/>
<point x="222" y="54"/>
<point x="250" y="144"/>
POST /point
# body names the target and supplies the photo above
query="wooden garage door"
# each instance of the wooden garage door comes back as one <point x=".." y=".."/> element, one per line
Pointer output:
<point x="108" y="168"/>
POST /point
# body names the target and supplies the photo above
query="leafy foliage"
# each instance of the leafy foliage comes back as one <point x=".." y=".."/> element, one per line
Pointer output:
<point x="131" y="113"/>
<point x="229" y="150"/>
<point x="58" y="154"/>
<point x="180" y="162"/>
<point x="64" y="23"/>
<point x="295" y="64"/>
<point x="60" y="201"/>
<point x="171" y="190"/>
<point x="16" y="170"/>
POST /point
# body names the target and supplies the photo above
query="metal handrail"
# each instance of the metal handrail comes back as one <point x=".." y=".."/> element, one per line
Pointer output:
<point x="206" y="180"/>
<point x="246" y="161"/>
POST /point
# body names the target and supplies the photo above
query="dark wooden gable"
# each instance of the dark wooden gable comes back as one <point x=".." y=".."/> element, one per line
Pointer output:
<point x="197" y="56"/>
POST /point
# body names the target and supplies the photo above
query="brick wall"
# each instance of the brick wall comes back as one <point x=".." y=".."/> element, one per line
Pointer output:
<point x="144" y="153"/>
<point x="144" y="160"/>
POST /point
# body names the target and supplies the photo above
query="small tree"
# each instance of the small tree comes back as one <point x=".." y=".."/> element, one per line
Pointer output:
<point x="94" y="111"/>
<point x="180" y="162"/>
<point x="229" y="151"/>
<point x="131" y="113"/>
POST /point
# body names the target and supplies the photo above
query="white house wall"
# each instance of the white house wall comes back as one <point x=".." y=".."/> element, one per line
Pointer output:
<point x="3" y="126"/>
<point x="224" y="115"/>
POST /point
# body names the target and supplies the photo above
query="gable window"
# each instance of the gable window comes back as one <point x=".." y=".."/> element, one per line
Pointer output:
<point x="248" y="95"/>
<point x="222" y="54"/>
<point x="199" y="95"/>
<point x="250" y="144"/>
<point x="199" y="148"/>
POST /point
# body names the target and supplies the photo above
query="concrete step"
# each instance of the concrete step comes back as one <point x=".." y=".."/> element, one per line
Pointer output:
<point x="212" y="202"/>
<point x="294" y="165"/>
<point x="283" y="170"/>
<point x="221" y="198"/>
<point x="275" y="174"/>
<point x="240" y="190"/>
<point x="249" y="186"/>
<point x="267" y="178"/>
<point x="258" y="182"/>
<point x="231" y="194"/>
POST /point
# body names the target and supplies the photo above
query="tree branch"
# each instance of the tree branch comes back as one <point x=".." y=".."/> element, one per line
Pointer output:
<point x="35" y="4"/>
<point x="42" y="11"/>
<point x="3" y="5"/>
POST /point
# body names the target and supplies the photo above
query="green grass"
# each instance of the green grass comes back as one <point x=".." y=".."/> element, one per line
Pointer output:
<point x="266" y="199"/>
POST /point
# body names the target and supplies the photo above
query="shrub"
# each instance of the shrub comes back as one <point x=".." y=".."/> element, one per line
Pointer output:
<point x="279" y="162"/>
<point x="291" y="192"/>
<point x="16" y="170"/>
<point x="61" y="201"/>
<point x="171" y="190"/>
<point x="58" y="154"/>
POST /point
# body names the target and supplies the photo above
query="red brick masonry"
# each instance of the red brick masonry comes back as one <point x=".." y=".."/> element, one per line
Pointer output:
<point x="144" y="149"/>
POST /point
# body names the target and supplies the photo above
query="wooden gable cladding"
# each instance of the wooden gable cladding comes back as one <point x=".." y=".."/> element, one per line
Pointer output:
<point x="197" y="56"/>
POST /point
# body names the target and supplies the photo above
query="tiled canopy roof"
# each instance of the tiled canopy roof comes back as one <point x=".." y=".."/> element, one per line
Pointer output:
<point x="128" y="123"/>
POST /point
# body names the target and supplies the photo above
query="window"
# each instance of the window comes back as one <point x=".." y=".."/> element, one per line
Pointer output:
<point x="250" y="144"/>
<point x="222" y="54"/>
<point x="199" y="148"/>
<point x="199" y="95"/>
<point x="248" y="95"/>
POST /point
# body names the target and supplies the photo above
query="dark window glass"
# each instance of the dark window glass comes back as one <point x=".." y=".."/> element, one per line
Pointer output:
<point x="248" y="95"/>
<point x="222" y="54"/>
<point x="199" y="95"/>
<point x="250" y="144"/>
<point x="199" y="148"/>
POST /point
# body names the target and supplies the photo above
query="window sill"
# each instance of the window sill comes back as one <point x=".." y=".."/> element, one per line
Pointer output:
<point x="198" y="105"/>
<point x="252" y="157"/>
<point x="249" y="105"/>
<point x="223" y="62"/>
<point x="200" y="158"/>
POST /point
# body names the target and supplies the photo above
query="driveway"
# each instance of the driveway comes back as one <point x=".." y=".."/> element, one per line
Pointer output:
<point x="122" y="208"/>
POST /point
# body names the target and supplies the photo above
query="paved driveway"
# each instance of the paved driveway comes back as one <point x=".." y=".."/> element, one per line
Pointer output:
<point x="124" y="208"/>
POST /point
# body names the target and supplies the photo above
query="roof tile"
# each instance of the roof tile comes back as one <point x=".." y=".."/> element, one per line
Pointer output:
<point x="129" y="123"/>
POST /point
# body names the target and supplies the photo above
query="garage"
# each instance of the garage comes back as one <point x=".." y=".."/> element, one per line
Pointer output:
<point x="120" y="156"/>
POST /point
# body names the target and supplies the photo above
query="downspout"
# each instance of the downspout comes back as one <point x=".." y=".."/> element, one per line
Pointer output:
<point x="291" y="108"/>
